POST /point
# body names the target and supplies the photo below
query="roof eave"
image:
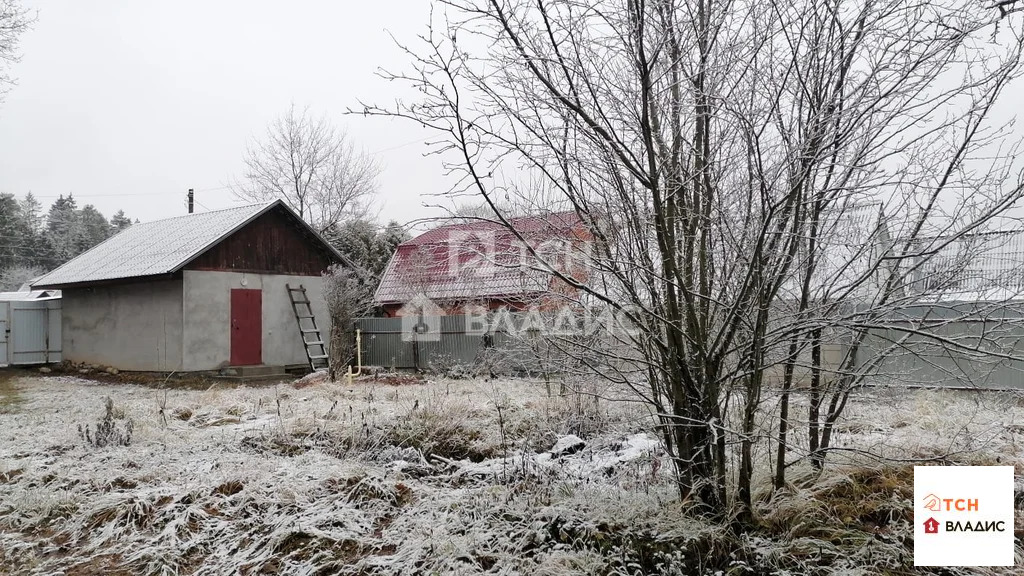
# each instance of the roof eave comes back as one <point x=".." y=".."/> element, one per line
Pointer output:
<point x="105" y="281"/>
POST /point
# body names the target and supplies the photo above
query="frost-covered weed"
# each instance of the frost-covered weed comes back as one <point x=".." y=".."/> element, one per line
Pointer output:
<point x="113" y="429"/>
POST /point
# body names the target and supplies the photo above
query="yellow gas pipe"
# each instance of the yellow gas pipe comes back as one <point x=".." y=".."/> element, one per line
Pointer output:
<point x="359" y="359"/>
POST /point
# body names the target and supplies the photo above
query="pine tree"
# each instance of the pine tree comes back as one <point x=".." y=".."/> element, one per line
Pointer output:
<point x="93" y="230"/>
<point x="20" y="249"/>
<point x="12" y="231"/>
<point x="393" y="235"/>
<point x="363" y="244"/>
<point x="31" y="211"/>
<point x="119" y="221"/>
<point x="31" y="245"/>
<point x="63" y="228"/>
<point x="33" y="250"/>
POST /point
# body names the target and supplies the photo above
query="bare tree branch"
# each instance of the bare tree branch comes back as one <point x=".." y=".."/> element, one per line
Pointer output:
<point x="313" y="167"/>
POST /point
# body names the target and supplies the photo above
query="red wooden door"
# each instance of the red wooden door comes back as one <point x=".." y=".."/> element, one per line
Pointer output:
<point x="246" y="327"/>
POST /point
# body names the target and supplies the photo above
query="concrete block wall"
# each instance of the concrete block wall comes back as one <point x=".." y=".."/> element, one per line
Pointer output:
<point x="133" y="326"/>
<point x="207" y="317"/>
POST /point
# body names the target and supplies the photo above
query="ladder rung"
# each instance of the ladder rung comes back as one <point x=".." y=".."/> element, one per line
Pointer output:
<point x="315" y="360"/>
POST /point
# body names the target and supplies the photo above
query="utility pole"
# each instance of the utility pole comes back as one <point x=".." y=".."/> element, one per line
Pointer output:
<point x="191" y="198"/>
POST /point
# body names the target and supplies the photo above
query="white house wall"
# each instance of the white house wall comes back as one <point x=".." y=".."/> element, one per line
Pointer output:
<point x="136" y="326"/>
<point x="207" y="317"/>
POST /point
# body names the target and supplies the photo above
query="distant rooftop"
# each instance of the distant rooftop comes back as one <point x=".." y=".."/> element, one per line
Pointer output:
<point x="29" y="295"/>
<point x="473" y="259"/>
<point x="974" y="267"/>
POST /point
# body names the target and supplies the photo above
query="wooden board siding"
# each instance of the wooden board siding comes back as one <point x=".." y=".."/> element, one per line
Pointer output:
<point x="270" y="244"/>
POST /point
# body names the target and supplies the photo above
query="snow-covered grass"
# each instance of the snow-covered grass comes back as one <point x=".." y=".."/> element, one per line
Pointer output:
<point x="440" y="477"/>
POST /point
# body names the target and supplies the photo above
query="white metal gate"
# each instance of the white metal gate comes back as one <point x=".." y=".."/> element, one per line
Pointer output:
<point x="4" y="331"/>
<point x="35" y="332"/>
<point x="30" y="328"/>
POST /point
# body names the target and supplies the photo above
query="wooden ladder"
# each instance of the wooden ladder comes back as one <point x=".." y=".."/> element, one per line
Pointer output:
<point x="316" y="349"/>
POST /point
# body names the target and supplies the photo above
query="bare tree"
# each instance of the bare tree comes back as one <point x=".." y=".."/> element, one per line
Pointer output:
<point x="348" y="297"/>
<point x="312" y="166"/>
<point x="14" y="21"/>
<point x="713" y="149"/>
<point x="468" y="212"/>
<point x="15" y="277"/>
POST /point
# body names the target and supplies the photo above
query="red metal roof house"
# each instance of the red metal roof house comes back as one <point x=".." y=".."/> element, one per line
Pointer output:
<point x="482" y="262"/>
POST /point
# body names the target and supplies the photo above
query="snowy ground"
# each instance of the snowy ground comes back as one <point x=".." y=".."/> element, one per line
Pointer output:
<point x="440" y="477"/>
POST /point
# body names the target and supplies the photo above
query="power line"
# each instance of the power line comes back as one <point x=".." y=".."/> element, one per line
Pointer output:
<point x="397" y="146"/>
<point x="90" y="195"/>
<point x="87" y="195"/>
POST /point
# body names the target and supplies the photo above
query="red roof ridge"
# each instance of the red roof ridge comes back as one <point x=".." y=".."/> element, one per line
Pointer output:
<point x="531" y="223"/>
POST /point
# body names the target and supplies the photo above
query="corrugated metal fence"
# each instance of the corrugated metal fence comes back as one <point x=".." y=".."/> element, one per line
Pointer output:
<point x="392" y="343"/>
<point x="954" y="355"/>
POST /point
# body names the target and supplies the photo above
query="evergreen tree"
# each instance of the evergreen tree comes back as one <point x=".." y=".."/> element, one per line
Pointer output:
<point x="29" y="247"/>
<point x="394" y="234"/>
<point x="13" y="232"/>
<point x="119" y="221"/>
<point x="63" y="229"/>
<point x="33" y="250"/>
<point x="31" y="211"/>
<point x="365" y="245"/>
<point x="93" y="230"/>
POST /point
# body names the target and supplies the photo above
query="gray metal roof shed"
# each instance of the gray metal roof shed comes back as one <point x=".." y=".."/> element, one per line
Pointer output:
<point x="161" y="247"/>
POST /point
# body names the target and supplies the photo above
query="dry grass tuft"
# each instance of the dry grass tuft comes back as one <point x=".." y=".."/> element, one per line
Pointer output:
<point x="229" y="488"/>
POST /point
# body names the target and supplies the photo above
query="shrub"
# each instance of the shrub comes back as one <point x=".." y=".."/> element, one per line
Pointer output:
<point x="113" y="429"/>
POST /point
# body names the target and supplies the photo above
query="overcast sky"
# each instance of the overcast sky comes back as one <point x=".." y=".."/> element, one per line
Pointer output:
<point x="128" y="104"/>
